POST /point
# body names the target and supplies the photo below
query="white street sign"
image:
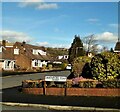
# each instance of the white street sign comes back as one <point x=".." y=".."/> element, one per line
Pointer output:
<point x="56" y="78"/>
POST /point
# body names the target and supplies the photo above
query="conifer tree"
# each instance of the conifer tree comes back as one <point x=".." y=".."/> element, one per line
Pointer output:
<point x="76" y="49"/>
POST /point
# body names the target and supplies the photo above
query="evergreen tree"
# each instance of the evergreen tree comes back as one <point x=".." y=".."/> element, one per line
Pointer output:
<point x="111" y="50"/>
<point x="76" y="49"/>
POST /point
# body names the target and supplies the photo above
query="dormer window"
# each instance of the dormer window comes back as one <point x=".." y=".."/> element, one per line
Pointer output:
<point x="42" y="52"/>
<point x="16" y="51"/>
<point x="35" y="52"/>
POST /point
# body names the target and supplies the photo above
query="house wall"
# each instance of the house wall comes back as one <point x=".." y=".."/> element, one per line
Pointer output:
<point x="1" y="66"/>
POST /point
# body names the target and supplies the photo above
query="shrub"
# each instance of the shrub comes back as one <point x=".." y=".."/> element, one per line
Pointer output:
<point x="88" y="83"/>
<point x="63" y="66"/>
<point x="69" y="83"/>
<point x="78" y="65"/>
<point x="111" y="83"/>
<point x="105" y="66"/>
<point x="50" y="66"/>
<point x="43" y="68"/>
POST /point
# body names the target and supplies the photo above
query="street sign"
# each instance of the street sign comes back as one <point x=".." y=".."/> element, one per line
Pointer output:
<point x="56" y="78"/>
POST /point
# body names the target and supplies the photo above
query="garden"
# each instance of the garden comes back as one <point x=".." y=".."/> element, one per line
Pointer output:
<point x="96" y="75"/>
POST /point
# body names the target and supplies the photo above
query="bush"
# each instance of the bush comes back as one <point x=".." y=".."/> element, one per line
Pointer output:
<point x="111" y="84"/>
<point x="88" y="84"/>
<point x="105" y="66"/>
<point x="50" y="66"/>
<point x="63" y="66"/>
<point x="43" y="68"/>
<point x="78" y="65"/>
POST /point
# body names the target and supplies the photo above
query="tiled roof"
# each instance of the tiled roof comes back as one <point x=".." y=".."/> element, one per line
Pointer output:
<point x="7" y="53"/>
<point x="29" y="51"/>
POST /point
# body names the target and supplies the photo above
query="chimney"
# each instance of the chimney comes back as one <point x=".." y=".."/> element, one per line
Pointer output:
<point x="4" y="43"/>
<point x="24" y="43"/>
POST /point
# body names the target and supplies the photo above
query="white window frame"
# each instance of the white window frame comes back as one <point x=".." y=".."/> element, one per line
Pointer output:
<point x="16" y="51"/>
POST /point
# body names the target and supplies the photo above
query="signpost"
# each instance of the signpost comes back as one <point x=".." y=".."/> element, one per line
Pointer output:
<point x="56" y="78"/>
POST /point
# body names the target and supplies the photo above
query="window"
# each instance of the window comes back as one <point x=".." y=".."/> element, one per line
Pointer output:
<point x="36" y="63"/>
<point x="42" y="52"/>
<point x="35" y="52"/>
<point x="16" y="51"/>
<point x="1" y="49"/>
<point x="7" y="64"/>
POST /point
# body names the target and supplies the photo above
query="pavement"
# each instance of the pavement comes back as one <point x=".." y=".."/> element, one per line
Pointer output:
<point x="58" y="107"/>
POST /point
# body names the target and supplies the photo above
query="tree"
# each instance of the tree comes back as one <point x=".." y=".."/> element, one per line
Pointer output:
<point x="90" y="42"/>
<point x="76" y="49"/>
<point x="111" y="50"/>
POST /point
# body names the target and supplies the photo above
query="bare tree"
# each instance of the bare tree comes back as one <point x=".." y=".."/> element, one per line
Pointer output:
<point x="90" y="42"/>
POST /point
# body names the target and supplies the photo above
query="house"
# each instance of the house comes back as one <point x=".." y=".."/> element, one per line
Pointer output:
<point x="65" y="57"/>
<point x="60" y="59"/>
<point x="30" y="57"/>
<point x="117" y="47"/>
<point x="7" y="61"/>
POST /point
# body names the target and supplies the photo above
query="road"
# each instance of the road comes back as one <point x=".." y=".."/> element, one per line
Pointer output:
<point x="16" y="80"/>
<point x="10" y="93"/>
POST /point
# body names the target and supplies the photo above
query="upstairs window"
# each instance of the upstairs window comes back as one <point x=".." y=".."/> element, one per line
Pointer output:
<point x="42" y="52"/>
<point x="35" y="52"/>
<point x="16" y="51"/>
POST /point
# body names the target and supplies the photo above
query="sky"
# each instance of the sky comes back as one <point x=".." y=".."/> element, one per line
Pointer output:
<point x="54" y="24"/>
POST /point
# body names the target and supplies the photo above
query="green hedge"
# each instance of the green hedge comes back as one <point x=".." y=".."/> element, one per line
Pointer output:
<point x="111" y="84"/>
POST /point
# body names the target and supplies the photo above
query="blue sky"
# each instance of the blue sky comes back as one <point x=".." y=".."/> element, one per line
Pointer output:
<point x="55" y="24"/>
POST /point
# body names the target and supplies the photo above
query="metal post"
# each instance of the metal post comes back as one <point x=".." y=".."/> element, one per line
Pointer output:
<point x="44" y="88"/>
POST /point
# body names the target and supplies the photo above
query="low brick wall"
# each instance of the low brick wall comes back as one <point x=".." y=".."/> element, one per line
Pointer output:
<point x="55" y="91"/>
<point x="73" y="91"/>
<point x="92" y="92"/>
<point x="35" y="91"/>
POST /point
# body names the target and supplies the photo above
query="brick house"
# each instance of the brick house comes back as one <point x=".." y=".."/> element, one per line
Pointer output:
<point x="30" y="57"/>
<point x="7" y="61"/>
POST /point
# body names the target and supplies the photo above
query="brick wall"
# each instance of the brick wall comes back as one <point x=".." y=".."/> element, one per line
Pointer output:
<point x="73" y="91"/>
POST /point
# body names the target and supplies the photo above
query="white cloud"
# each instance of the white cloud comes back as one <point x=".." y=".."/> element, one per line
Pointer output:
<point x="46" y="44"/>
<point x="99" y="47"/>
<point x="92" y="20"/>
<point x="26" y="3"/>
<point x="47" y="6"/>
<point x="113" y="25"/>
<point x="13" y="36"/>
<point x="107" y="37"/>
<point x="60" y="45"/>
<point x="57" y="30"/>
<point x="38" y="4"/>
<point x="42" y="43"/>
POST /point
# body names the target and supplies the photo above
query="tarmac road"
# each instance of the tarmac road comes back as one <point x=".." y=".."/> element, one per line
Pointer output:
<point x="16" y="80"/>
